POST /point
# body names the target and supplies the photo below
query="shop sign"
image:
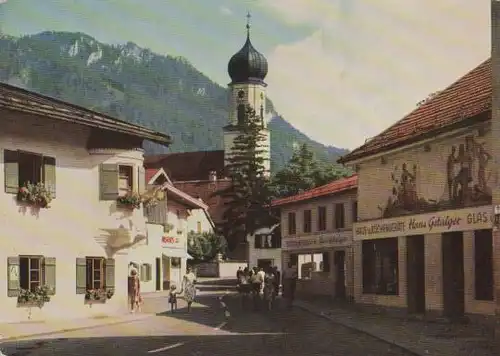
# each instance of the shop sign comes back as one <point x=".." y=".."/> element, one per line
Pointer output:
<point x="431" y="223"/>
<point x="171" y="241"/>
<point x="315" y="242"/>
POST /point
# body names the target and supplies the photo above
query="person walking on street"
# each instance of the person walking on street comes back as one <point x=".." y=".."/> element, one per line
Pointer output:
<point x="188" y="287"/>
<point x="134" y="290"/>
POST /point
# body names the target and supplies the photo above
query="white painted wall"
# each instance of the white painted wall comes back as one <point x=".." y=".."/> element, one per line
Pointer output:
<point x="198" y="217"/>
<point x="146" y="252"/>
<point x="73" y="226"/>
<point x="255" y="254"/>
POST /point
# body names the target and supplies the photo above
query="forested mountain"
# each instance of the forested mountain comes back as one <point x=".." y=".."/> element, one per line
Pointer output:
<point x="163" y="93"/>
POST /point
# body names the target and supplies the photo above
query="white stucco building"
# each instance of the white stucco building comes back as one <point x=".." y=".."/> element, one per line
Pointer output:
<point x="81" y="242"/>
<point x="264" y="247"/>
<point x="168" y="225"/>
<point x="199" y="221"/>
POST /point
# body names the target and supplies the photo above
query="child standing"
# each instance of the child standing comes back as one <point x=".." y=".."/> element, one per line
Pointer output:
<point x="172" y="298"/>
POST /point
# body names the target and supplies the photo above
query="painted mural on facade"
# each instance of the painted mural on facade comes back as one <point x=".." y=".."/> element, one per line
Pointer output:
<point x="468" y="181"/>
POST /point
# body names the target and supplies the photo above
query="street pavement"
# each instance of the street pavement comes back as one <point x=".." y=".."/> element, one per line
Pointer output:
<point x="214" y="327"/>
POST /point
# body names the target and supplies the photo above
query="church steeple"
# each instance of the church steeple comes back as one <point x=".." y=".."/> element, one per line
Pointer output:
<point x="247" y="69"/>
<point x="248" y="64"/>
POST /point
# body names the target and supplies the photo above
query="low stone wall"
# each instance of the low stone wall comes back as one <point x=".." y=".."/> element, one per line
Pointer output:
<point x="223" y="269"/>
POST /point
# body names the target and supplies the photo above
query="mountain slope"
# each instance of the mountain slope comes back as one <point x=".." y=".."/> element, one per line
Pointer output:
<point x="160" y="92"/>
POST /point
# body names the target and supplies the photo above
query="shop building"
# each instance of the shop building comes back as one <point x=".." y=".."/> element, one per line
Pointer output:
<point x="316" y="228"/>
<point x="423" y="240"/>
<point x="169" y="233"/>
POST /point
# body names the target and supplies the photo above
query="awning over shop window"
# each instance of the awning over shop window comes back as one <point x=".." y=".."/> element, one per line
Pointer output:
<point x="176" y="252"/>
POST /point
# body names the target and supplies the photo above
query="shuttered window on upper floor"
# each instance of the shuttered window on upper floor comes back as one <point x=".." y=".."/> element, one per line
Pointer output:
<point x="307" y="221"/>
<point x="339" y="216"/>
<point x="321" y="218"/>
<point x="292" y="224"/>
<point x="21" y="168"/>
<point x="118" y="179"/>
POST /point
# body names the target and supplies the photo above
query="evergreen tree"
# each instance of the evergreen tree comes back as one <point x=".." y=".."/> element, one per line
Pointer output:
<point x="249" y="195"/>
<point x="304" y="172"/>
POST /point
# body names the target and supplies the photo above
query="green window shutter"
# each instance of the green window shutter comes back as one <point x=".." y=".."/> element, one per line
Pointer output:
<point x="81" y="275"/>
<point x="50" y="274"/>
<point x="11" y="171"/>
<point x="13" y="271"/>
<point x="108" y="181"/>
<point x="110" y="274"/>
<point x="49" y="174"/>
<point x="141" y="178"/>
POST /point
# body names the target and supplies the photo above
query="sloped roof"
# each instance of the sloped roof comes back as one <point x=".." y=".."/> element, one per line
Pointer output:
<point x="187" y="166"/>
<point x="204" y="190"/>
<point x="334" y="187"/>
<point x="150" y="173"/>
<point x="466" y="98"/>
<point x="21" y="100"/>
<point x="184" y="197"/>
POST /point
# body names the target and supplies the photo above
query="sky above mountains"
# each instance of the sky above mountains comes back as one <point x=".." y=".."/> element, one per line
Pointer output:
<point x="340" y="71"/>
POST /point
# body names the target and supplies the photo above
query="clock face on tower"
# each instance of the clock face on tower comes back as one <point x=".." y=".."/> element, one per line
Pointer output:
<point x="241" y="94"/>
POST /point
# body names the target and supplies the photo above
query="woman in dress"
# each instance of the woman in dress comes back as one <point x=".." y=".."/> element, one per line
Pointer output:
<point x="188" y="286"/>
<point x="134" y="290"/>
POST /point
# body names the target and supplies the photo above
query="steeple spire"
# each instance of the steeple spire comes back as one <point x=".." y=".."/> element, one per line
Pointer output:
<point x="249" y="16"/>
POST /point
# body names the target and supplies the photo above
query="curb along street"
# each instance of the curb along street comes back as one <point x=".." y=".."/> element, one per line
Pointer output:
<point x="386" y="340"/>
<point x="66" y="330"/>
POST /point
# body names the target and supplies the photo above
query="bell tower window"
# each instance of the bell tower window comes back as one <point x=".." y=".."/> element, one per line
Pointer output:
<point x="241" y="114"/>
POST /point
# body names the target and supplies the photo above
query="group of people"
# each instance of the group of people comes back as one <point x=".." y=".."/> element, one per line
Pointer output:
<point x="266" y="283"/>
<point x="188" y="289"/>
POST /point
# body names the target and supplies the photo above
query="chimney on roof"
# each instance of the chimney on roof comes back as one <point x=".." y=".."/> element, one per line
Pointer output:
<point x="212" y="176"/>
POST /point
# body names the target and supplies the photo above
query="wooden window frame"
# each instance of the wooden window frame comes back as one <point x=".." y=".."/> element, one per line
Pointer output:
<point x="40" y="270"/>
<point x="131" y="181"/>
<point x="91" y="280"/>
<point x="321" y="218"/>
<point x="307" y="222"/>
<point x="340" y="222"/>
<point x="292" y="228"/>
<point x="374" y="277"/>
<point x="46" y="176"/>
<point x="354" y="211"/>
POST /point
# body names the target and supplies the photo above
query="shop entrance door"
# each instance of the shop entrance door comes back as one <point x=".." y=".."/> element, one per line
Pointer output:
<point x="453" y="274"/>
<point x="415" y="271"/>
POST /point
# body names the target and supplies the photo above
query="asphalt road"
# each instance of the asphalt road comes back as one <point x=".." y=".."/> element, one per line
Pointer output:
<point x="208" y="330"/>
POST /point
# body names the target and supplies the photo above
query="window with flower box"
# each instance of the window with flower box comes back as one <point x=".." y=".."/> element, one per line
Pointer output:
<point x="95" y="274"/>
<point x="21" y="168"/>
<point x="30" y="273"/>
<point x="117" y="180"/>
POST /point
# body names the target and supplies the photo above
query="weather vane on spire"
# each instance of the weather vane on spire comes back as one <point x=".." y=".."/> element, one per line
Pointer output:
<point x="249" y="16"/>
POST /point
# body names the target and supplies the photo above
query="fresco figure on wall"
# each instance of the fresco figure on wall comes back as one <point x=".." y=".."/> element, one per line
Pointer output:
<point x="404" y="198"/>
<point x="483" y="159"/>
<point x="469" y="185"/>
<point x="466" y="183"/>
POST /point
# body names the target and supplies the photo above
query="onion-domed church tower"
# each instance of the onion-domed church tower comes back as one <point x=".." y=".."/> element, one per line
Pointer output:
<point x="247" y="70"/>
